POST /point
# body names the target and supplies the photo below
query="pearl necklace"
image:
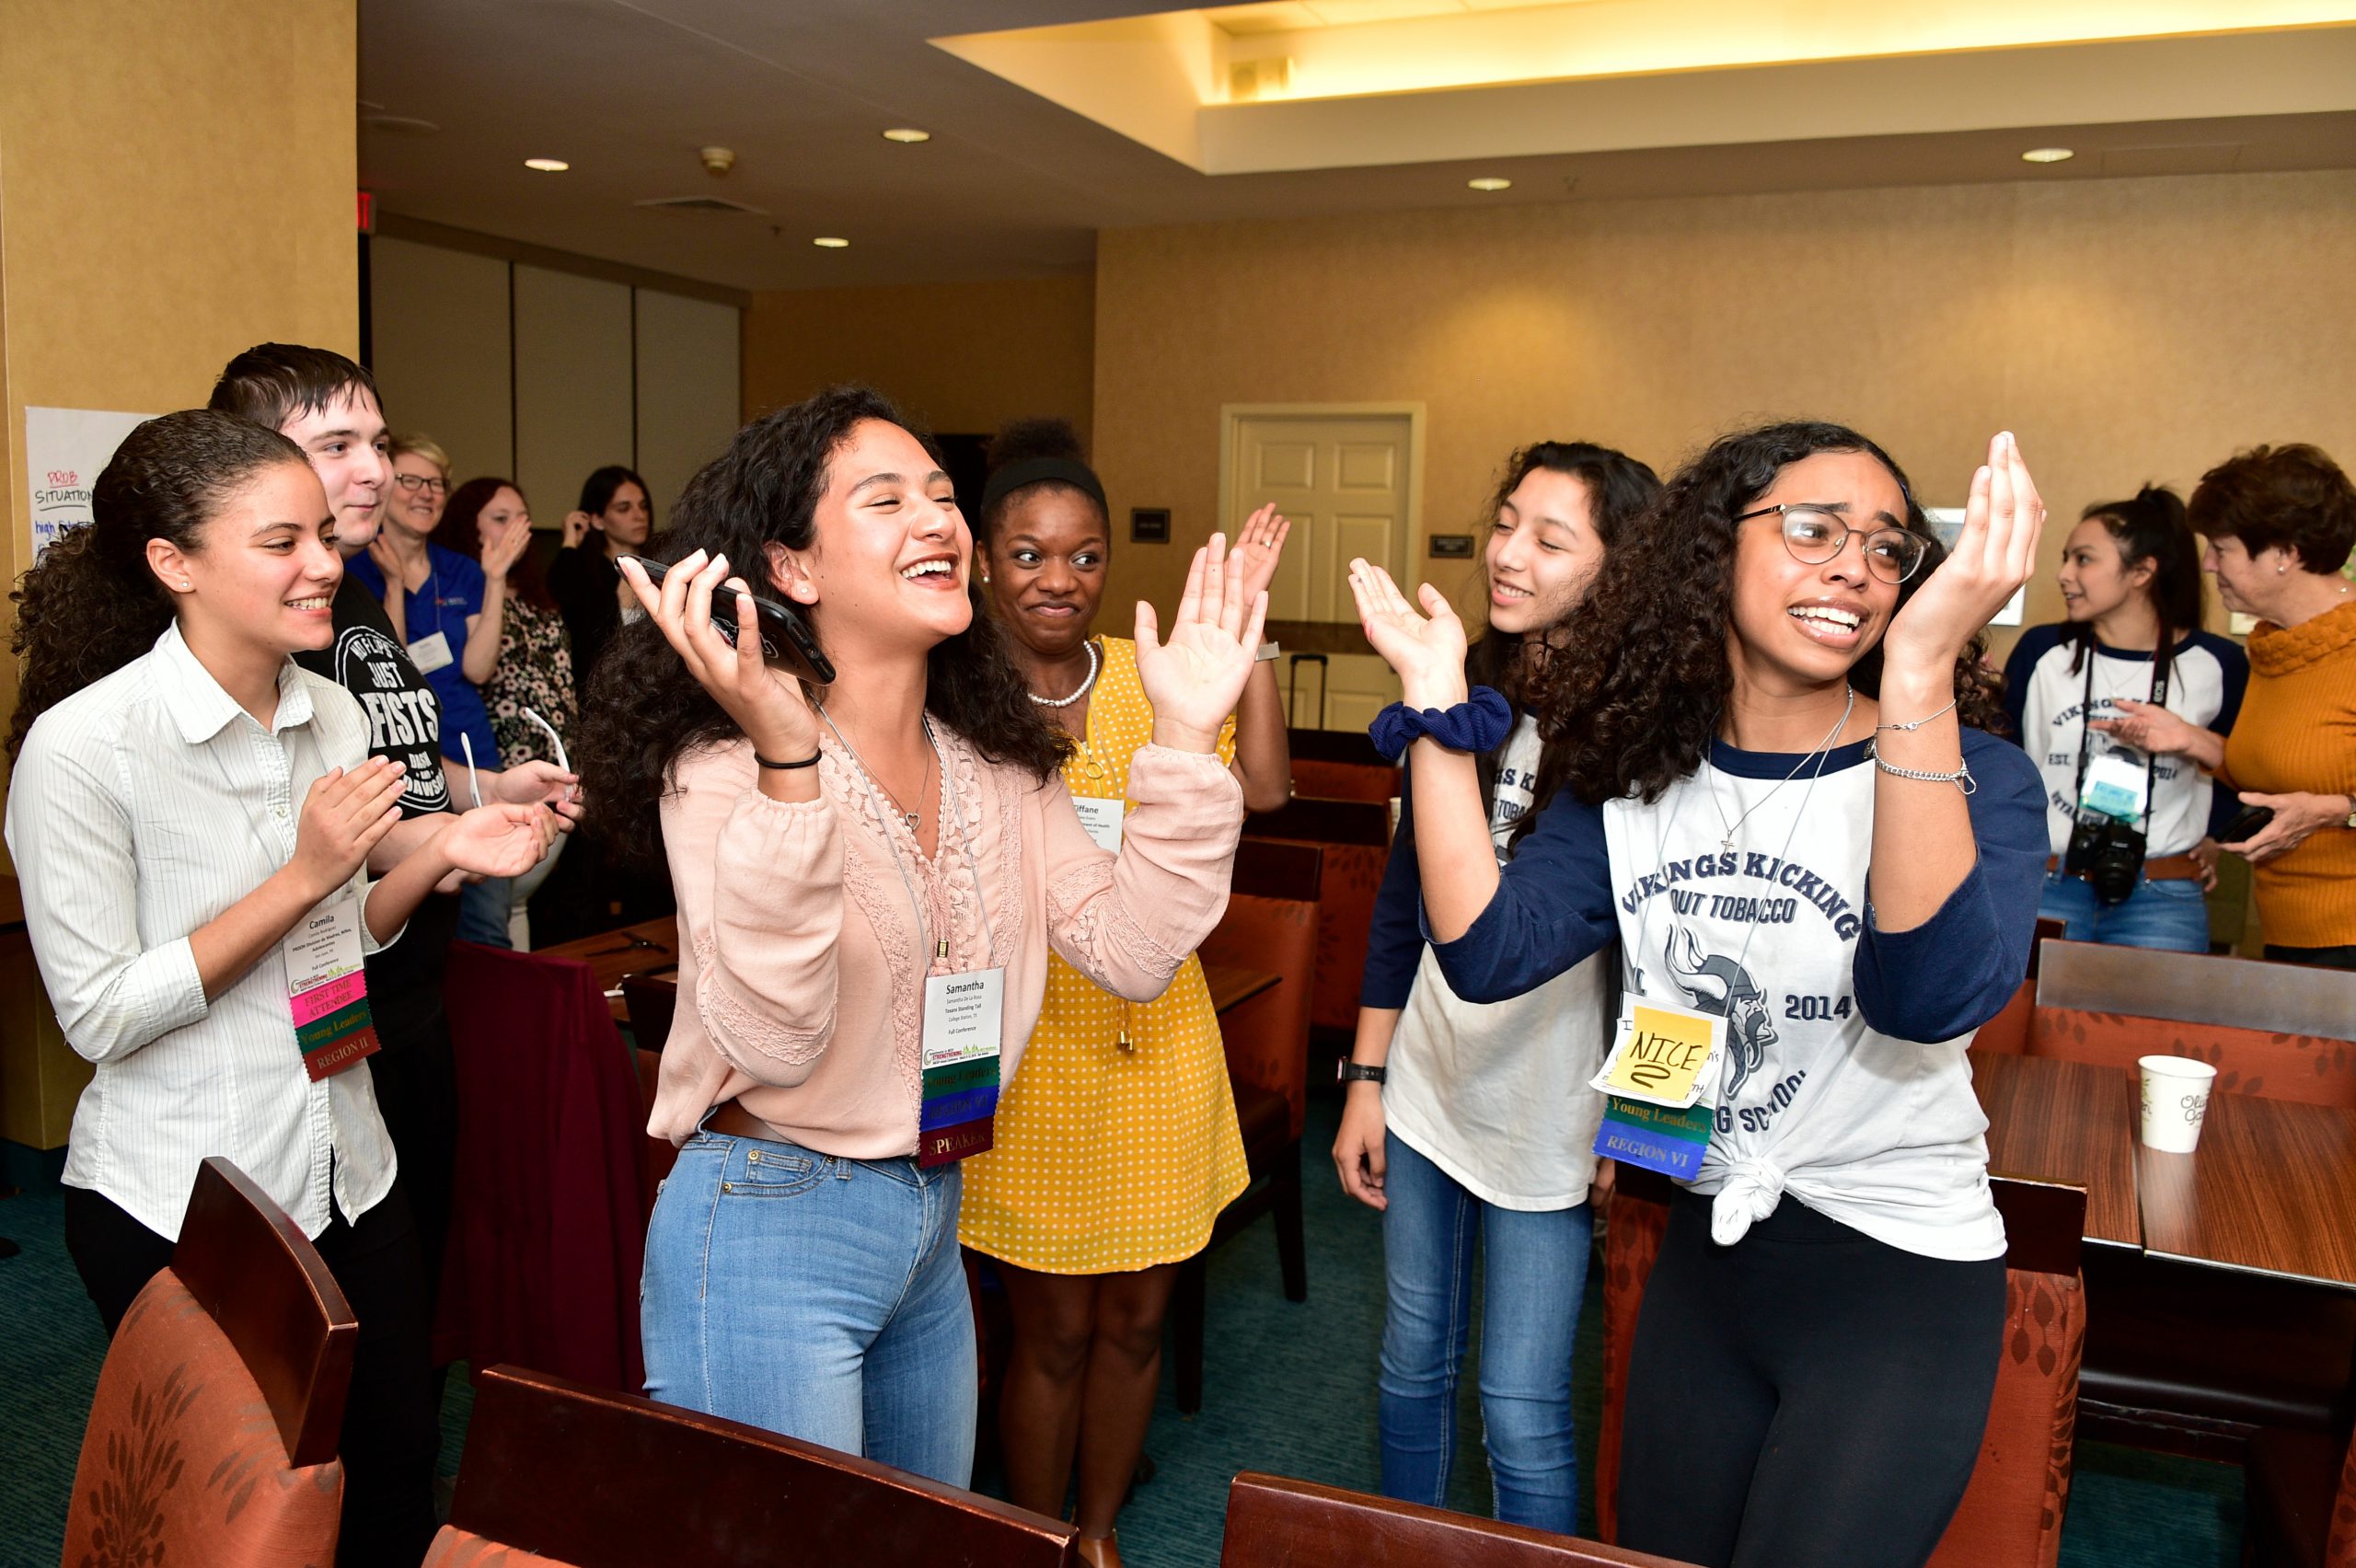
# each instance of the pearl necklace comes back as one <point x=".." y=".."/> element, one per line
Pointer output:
<point x="1075" y="696"/>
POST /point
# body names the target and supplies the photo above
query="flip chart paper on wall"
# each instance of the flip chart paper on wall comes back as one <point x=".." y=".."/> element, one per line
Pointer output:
<point x="65" y="450"/>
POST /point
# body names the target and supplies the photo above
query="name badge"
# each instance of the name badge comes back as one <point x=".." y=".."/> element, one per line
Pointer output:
<point x="431" y="654"/>
<point x="1102" y="820"/>
<point x="964" y="1017"/>
<point x="1654" y="1137"/>
<point x="327" y="990"/>
<point x="1662" y="1055"/>
<point x="2115" y="786"/>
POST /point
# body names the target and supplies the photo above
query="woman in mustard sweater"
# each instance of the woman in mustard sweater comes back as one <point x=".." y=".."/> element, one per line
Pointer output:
<point x="2279" y="523"/>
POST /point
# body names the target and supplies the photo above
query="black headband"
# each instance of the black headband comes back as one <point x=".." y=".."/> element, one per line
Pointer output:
<point x="1034" y="470"/>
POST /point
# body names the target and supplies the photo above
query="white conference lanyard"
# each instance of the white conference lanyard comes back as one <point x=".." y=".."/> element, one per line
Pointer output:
<point x="431" y="652"/>
<point x="325" y="973"/>
<point x="1665" y="1073"/>
<point x="963" y="1010"/>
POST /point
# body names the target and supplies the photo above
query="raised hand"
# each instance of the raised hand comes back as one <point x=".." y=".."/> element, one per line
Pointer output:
<point x="501" y="840"/>
<point x="344" y="816"/>
<point x="1992" y="558"/>
<point x="1260" y="544"/>
<point x="576" y="528"/>
<point x="1426" y="650"/>
<point x="505" y="547"/>
<point x="767" y="705"/>
<point x="1193" y="679"/>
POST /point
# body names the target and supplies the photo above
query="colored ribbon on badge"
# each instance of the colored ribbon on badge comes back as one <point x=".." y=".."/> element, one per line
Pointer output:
<point x="1655" y="1137"/>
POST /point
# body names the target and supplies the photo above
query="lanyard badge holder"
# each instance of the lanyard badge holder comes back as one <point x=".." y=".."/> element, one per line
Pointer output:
<point x="2108" y="832"/>
<point x="965" y="1015"/>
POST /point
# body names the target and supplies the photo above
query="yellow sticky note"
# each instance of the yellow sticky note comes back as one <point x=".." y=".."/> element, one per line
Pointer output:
<point x="1666" y="1050"/>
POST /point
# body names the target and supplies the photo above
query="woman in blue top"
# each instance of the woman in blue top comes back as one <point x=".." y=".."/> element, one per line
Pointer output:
<point x="1777" y="801"/>
<point x="2130" y="831"/>
<point x="1468" y="1122"/>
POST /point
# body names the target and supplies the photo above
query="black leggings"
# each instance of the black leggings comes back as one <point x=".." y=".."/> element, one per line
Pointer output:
<point x="1807" y="1395"/>
<point x="390" y="1426"/>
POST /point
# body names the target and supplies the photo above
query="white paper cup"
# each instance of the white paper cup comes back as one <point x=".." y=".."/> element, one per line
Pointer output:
<point x="2176" y="1099"/>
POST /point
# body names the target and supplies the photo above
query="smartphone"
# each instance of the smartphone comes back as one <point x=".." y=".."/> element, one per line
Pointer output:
<point x="2247" y="823"/>
<point x="786" y="638"/>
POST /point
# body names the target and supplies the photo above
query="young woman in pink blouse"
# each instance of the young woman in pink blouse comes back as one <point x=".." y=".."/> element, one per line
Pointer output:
<point x="869" y="876"/>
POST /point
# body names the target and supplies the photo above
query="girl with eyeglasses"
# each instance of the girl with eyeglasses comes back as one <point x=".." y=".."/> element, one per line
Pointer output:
<point x="2130" y="843"/>
<point x="1780" y="800"/>
<point x="1473" y="1122"/>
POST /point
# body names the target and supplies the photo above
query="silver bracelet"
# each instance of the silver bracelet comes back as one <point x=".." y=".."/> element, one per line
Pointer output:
<point x="1919" y="723"/>
<point x="1961" y="777"/>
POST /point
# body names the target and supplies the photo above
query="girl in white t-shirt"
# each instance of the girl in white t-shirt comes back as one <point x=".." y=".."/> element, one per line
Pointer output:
<point x="2131" y="582"/>
<point x="1780" y="802"/>
<point x="1484" y="1127"/>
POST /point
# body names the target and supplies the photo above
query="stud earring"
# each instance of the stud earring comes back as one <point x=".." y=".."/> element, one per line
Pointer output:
<point x="187" y="584"/>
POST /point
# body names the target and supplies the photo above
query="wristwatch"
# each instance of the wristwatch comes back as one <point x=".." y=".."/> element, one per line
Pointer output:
<point x="1356" y="1072"/>
<point x="2351" y="813"/>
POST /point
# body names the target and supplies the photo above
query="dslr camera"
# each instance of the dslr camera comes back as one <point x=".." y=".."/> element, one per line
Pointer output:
<point x="2109" y="853"/>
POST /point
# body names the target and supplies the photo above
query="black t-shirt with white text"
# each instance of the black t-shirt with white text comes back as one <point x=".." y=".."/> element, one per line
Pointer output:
<point x="404" y="724"/>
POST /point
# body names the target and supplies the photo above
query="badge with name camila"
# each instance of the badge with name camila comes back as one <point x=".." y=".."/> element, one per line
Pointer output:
<point x="1655" y="1082"/>
<point x="963" y="1022"/>
<point x="327" y="989"/>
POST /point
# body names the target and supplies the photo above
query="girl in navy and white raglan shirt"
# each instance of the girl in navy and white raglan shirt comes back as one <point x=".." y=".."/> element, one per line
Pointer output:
<point x="1783" y="802"/>
<point x="2131" y="582"/>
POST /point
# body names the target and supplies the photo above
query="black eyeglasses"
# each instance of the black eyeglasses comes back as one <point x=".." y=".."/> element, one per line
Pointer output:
<point x="1815" y="534"/>
<point x="423" y="481"/>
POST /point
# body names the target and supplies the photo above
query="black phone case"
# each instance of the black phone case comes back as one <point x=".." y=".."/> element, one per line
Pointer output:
<point x="785" y="636"/>
<point x="2246" y="825"/>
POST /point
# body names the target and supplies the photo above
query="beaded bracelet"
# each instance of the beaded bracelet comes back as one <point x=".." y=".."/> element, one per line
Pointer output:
<point x="1479" y="723"/>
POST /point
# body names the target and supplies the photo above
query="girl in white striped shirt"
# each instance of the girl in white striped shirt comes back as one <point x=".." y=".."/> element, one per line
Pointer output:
<point x="183" y="797"/>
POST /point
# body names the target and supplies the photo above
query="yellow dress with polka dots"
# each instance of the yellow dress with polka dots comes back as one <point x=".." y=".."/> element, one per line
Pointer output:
<point x="1110" y="1156"/>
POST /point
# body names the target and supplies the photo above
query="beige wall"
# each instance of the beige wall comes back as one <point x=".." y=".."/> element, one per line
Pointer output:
<point x="175" y="184"/>
<point x="959" y="357"/>
<point x="2126" y="329"/>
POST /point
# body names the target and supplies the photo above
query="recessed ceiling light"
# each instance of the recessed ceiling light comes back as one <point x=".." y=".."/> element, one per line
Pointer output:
<point x="2048" y="154"/>
<point x="830" y="242"/>
<point x="908" y="133"/>
<point x="547" y="166"/>
<point x="1490" y="182"/>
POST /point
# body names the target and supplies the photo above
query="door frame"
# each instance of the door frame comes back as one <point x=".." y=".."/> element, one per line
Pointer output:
<point x="1230" y="424"/>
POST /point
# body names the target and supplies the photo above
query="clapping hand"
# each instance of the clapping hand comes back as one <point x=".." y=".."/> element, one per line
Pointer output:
<point x="1260" y="544"/>
<point x="1426" y="649"/>
<point x="505" y="547"/>
<point x="1193" y="679"/>
<point x="537" y="783"/>
<point x="500" y="840"/>
<point x="344" y="815"/>
<point x="1992" y="558"/>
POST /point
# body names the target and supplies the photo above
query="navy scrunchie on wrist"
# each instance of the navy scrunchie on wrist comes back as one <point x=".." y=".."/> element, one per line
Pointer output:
<point x="1480" y="723"/>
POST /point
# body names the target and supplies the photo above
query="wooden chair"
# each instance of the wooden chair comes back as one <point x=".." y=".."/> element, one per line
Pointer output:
<point x="2012" y="1511"/>
<point x="212" y="1434"/>
<point x="1276" y="1523"/>
<point x="1356" y="837"/>
<point x="2299" y="1501"/>
<point x="559" y="1473"/>
<point x="1340" y="765"/>
<point x="2282" y="1030"/>
<point x="1271" y="924"/>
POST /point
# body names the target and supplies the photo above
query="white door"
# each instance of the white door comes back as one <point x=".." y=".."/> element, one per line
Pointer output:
<point x="1347" y="481"/>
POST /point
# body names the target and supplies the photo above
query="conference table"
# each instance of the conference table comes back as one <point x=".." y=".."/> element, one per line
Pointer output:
<point x="2270" y="1191"/>
<point x="651" y="948"/>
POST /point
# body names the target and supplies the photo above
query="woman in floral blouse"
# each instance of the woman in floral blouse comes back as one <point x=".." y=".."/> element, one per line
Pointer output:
<point x="534" y="668"/>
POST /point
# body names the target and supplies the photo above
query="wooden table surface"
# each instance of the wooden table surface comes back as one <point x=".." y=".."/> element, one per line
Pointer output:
<point x="2067" y="1122"/>
<point x="654" y="944"/>
<point x="2271" y="1189"/>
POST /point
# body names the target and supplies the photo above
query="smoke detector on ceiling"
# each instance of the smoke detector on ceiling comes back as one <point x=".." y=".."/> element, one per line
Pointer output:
<point x="717" y="160"/>
<point x="701" y="204"/>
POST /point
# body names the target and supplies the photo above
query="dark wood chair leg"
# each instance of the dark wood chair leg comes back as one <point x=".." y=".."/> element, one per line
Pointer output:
<point x="1186" y="1302"/>
<point x="1292" y="1254"/>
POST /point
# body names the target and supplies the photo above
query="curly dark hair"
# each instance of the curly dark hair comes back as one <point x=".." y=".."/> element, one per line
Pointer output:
<point x="1620" y="490"/>
<point x="1636" y="697"/>
<point x="91" y="603"/>
<point x="644" y="711"/>
<point x="527" y="580"/>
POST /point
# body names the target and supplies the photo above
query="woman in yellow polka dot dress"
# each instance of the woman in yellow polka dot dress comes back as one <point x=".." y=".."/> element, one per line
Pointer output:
<point x="1117" y="1144"/>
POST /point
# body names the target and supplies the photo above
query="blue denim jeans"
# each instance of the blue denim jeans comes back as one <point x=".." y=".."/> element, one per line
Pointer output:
<point x="2171" y="915"/>
<point x="482" y="912"/>
<point x="1533" y="1276"/>
<point x="814" y="1296"/>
